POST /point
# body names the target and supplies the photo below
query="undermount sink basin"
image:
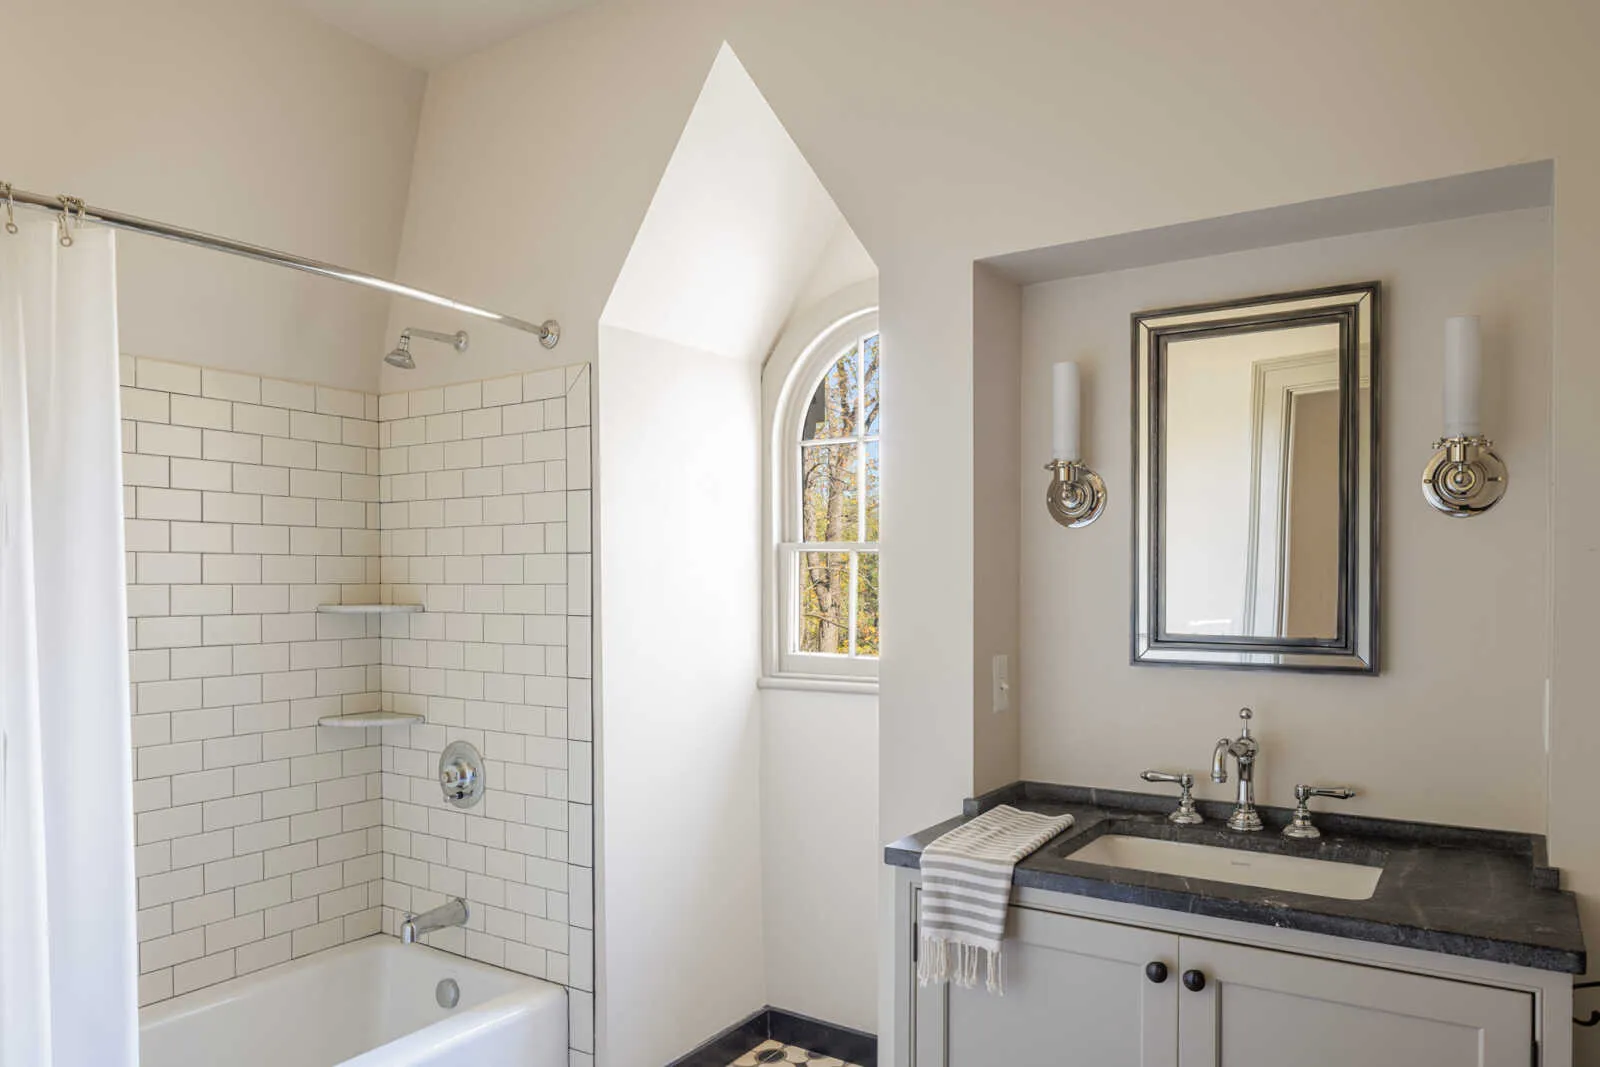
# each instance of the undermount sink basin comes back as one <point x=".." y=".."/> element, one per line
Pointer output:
<point x="1265" y="870"/>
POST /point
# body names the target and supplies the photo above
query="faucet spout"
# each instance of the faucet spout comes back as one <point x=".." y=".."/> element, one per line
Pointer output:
<point x="1243" y="749"/>
<point x="1219" y="760"/>
<point x="450" y="913"/>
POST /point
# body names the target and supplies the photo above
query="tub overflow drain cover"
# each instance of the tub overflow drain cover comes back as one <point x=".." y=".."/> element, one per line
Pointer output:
<point x="447" y="993"/>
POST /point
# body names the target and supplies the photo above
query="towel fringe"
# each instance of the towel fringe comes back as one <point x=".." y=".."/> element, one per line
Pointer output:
<point x="939" y="960"/>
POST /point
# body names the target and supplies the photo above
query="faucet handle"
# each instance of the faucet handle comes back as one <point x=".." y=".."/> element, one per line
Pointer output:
<point x="1300" y="827"/>
<point x="1185" y="815"/>
<point x="1184" y="779"/>
<point x="1337" y="792"/>
<point x="1246" y="714"/>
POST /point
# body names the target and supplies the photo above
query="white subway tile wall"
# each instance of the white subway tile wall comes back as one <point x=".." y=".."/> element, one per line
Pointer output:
<point x="485" y="491"/>
<point x="258" y="834"/>
<point x="262" y="836"/>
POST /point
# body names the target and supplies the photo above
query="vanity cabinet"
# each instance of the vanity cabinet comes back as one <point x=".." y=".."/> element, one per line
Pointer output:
<point x="1075" y="991"/>
<point x="1260" y="1008"/>
<point x="1083" y="991"/>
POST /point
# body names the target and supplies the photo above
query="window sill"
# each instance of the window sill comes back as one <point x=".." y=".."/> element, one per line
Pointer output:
<point x="819" y="684"/>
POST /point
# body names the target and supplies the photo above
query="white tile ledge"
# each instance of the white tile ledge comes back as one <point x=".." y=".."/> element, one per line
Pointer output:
<point x="362" y="719"/>
<point x="369" y="609"/>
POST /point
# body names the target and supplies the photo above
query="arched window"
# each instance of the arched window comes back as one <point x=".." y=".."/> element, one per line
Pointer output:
<point x="831" y="487"/>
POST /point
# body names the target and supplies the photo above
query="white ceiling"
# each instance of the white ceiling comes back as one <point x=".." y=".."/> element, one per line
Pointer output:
<point x="431" y="33"/>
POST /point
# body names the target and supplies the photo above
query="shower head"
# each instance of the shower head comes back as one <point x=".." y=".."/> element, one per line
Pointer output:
<point x="401" y="356"/>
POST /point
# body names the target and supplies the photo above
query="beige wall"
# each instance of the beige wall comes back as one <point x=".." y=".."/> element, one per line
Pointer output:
<point x="999" y="476"/>
<point x="819" y="857"/>
<point x="1091" y="718"/>
<point x="680" y="933"/>
<point x="948" y="131"/>
<point x="819" y="748"/>
<point x="738" y="226"/>
<point x="1574" y="730"/>
<point x="246" y="119"/>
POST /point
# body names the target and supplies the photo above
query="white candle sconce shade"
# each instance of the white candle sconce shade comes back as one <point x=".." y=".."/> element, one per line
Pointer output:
<point x="1076" y="495"/>
<point x="1464" y="477"/>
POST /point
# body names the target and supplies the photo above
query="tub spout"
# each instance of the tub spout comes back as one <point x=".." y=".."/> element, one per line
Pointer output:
<point x="451" y="913"/>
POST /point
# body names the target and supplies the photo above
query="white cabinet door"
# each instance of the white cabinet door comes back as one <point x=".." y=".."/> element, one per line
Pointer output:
<point x="1076" y="992"/>
<point x="1271" y="1009"/>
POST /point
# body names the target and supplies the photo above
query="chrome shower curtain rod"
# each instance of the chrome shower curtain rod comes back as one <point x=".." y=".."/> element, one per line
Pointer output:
<point x="71" y="208"/>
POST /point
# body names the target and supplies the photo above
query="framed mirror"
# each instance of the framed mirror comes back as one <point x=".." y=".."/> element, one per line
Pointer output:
<point x="1255" y="445"/>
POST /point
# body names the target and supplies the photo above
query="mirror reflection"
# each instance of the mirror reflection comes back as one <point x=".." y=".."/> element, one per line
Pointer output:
<point x="1252" y="486"/>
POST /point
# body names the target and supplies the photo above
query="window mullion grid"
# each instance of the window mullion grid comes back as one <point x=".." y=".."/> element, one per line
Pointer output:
<point x="855" y="561"/>
<point x="859" y="438"/>
<point x="861" y="451"/>
<point x="796" y="599"/>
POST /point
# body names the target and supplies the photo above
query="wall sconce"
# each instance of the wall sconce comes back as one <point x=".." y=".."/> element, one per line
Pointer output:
<point x="1464" y="477"/>
<point x="1077" y="495"/>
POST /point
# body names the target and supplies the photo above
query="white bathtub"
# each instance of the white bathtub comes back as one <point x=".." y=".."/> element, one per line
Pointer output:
<point x="370" y="1003"/>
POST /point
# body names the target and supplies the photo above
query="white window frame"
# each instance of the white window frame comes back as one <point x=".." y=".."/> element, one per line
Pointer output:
<point x="808" y="350"/>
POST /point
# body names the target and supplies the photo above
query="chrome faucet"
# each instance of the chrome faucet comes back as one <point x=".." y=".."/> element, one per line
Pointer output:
<point x="1243" y="749"/>
<point x="450" y="913"/>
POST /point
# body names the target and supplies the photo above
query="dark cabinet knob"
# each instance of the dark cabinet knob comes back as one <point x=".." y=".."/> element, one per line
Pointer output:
<point x="1194" y="981"/>
<point x="1156" y="972"/>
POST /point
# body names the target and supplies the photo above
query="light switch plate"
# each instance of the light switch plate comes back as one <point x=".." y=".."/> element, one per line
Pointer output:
<point x="1002" y="683"/>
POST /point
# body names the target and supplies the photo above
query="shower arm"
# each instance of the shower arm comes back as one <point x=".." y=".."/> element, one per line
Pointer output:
<point x="457" y="340"/>
<point x="70" y="210"/>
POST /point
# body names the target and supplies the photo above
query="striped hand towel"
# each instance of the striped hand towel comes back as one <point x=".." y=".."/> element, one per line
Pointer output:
<point x="966" y="885"/>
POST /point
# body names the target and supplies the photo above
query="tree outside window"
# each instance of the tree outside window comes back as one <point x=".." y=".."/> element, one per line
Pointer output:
<point x="840" y="493"/>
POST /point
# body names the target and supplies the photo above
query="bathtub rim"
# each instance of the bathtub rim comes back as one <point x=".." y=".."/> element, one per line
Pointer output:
<point x="534" y="997"/>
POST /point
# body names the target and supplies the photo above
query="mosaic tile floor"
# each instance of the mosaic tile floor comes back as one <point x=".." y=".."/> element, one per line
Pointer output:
<point x="778" y="1052"/>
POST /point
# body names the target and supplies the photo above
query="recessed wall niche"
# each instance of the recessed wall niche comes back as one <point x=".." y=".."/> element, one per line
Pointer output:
<point x="1477" y="244"/>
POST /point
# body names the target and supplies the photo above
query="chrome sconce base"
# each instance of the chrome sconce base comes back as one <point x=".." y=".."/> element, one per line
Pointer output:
<point x="1464" y="477"/>
<point x="1076" y="496"/>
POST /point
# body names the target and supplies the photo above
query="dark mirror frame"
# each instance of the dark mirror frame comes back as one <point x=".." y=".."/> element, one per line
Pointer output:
<point x="1353" y="648"/>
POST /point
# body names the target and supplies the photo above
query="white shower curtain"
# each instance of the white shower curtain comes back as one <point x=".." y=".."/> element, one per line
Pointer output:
<point x="68" y="956"/>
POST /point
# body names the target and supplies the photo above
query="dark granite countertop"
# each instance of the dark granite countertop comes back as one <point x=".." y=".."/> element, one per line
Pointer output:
<point x="1483" y="894"/>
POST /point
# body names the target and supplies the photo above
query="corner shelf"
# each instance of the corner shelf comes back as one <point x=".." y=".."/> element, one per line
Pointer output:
<point x="362" y="719"/>
<point x="369" y="609"/>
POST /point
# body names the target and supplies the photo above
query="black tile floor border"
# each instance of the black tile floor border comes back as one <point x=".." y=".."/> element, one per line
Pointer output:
<point x="822" y="1038"/>
<point x="730" y="1044"/>
<point x="775" y="1024"/>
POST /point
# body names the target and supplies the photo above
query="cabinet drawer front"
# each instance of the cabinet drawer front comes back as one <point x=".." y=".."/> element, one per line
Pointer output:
<point x="1076" y="991"/>
<point x="1260" y="1008"/>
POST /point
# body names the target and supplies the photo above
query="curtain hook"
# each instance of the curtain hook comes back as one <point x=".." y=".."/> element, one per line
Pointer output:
<point x="11" y="207"/>
<point x="69" y="204"/>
